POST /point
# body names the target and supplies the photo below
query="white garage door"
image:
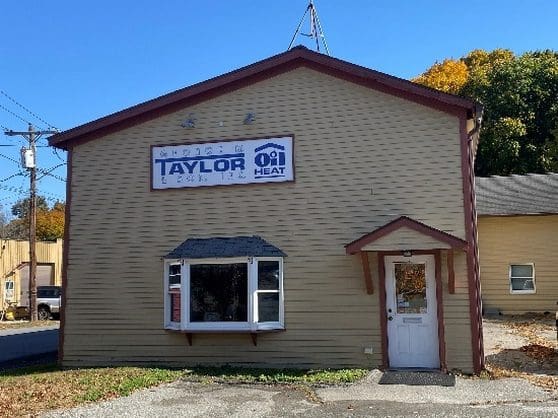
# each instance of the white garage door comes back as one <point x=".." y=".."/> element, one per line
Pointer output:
<point x="45" y="277"/>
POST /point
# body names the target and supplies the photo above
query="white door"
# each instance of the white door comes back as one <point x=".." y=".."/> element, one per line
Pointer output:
<point x="412" y="312"/>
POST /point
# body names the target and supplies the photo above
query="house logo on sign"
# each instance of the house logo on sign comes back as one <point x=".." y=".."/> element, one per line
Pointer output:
<point x="270" y="161"/>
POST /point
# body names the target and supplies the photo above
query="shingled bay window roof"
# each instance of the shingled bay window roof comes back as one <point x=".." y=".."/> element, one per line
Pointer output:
<point x="224" y="247"/>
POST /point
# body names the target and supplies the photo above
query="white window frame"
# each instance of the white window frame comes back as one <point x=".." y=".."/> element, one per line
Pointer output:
<point x="169" y="324"/>
<point x="251" y="325"/>
<point x="526" y="291"/>
<point x="10" y="289"/>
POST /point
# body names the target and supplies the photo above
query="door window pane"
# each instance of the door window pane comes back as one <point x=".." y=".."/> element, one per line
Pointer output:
<point x="219" y="292"/>
<point x="410" y="285"/>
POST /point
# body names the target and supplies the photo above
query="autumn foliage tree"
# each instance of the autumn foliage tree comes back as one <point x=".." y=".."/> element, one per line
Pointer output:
<point x="449" y="76"/>
<point x="50" y="220"/>
<point x="520" y="97"/>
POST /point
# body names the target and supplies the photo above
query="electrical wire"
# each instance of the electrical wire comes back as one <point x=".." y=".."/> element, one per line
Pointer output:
<point x="12" y="176"/>
<point x="14" y="114"/>
<point x="26" y="109"/>
<point x="9" y="158"/>
<point x="22" y="190"/>
<point x="50" y="170"/>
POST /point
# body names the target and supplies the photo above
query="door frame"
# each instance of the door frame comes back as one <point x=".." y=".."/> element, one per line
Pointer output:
<point x="439" y="301"/>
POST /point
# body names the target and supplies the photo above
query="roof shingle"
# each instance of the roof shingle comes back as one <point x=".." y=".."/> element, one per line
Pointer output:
<point x="222" y="247"/>
<point x="517" y="195"/>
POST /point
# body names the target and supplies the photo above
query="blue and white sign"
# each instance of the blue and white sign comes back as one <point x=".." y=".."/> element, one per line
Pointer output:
<point x="222" y="163"/>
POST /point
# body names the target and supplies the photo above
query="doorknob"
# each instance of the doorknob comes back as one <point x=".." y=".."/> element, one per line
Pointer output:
<point x="390" y="318"/>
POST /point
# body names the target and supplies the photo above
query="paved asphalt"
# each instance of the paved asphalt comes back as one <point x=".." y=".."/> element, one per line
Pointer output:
<point x="513" y="398"/>
<point x="27" y="344"/>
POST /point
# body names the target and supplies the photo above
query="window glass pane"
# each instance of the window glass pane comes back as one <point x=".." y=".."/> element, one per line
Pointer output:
<point x="522" y="284"/>
<point x="521" y="271"/>
<point x="268" y="275"/>
<point x="174" y="276"/>
<point x="219" y="292"/>
<point x="175" y="306"/>
<point x="268" y="307"/>
<point x="410" y="283"/>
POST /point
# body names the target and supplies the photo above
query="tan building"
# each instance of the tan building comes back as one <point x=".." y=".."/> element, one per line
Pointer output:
<point x="298" y="212"/>
<point x="518" y="243"/>
<point x="14" y="269"/>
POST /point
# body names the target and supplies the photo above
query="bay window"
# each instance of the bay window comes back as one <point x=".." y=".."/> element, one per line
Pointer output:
<point x="224" y="294"/>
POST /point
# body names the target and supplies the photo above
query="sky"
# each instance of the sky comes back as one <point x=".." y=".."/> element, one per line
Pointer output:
<point x="64" y="63"/>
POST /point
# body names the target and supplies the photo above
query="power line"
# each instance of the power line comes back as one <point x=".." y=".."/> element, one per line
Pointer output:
<point x="49" y="172"/>
<point x="10" y="158"/>
<point x="12" y="176"/>
<point x="22" y="190"/>
<point x="21" y="118"/>
<point x="55" y="152"/>
<point x="26" y="109"/>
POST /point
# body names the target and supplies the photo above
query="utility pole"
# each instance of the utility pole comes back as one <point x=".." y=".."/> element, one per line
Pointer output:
<point x="28" y="160"/>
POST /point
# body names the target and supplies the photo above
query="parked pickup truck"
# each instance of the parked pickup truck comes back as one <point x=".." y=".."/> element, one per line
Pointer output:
<point x="49" y="300"/>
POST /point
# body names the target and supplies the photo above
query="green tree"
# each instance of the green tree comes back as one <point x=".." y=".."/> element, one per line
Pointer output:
<point x="520" y="96"/>
<point x="20" y="209"/>
<point x="50" y="221"/>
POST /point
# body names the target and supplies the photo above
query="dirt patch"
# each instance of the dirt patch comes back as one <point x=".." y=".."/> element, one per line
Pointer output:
<point x="522" y="346"/>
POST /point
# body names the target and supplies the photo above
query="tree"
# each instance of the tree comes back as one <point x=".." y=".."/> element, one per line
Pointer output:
<point x="50" y="221"/>
<point x="520" y="124"/>
<point x="21" y="208"/>
<point x="449" y="76"/>
<point x="3" y="222"/>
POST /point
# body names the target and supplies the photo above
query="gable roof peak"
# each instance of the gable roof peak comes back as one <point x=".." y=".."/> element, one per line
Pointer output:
<point x="259" y="71"/>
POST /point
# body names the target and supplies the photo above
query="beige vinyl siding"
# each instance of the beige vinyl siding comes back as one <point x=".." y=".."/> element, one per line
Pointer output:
<point x="505" y="240"/>
<point x="457" y="324"/>
<point x="13" y="253"/>
<point x="404" y="239"/>
<point x="362" y="159"/>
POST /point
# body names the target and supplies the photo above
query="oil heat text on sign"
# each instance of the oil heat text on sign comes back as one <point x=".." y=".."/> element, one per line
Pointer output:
<point x="222" y="163"/>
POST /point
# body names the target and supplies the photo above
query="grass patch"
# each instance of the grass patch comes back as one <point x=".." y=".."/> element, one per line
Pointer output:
<point x="229" y="374"/>
<point x="34" y="389"/>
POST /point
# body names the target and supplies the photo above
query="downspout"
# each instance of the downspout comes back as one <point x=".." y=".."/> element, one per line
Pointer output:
<point x="472" y="149"/>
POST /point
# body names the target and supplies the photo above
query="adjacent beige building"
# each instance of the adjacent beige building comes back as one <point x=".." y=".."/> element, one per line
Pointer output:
<point x="518" y="243"/>
<point x="14" y="268"/>
<point x="299" y="212"/>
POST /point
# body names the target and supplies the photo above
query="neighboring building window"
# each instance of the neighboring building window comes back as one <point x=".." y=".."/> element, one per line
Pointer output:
<point x="240" y="294"/>
<point x="522" y="278"/>
<point x="9" y="290"/>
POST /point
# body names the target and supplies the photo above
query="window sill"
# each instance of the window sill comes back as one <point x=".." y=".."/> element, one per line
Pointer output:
<point x="253" y="333"/>
<point x="523" y="292"/>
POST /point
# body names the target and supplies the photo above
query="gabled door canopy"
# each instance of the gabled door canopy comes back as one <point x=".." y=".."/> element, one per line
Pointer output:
<point x="401" y="222"/>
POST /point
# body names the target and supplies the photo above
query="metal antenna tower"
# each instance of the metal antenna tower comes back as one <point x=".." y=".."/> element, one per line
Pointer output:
<point x="316" y="31"/>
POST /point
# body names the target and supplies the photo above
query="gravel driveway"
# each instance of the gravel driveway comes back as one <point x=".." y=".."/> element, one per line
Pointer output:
<point x="470" y="397"/>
